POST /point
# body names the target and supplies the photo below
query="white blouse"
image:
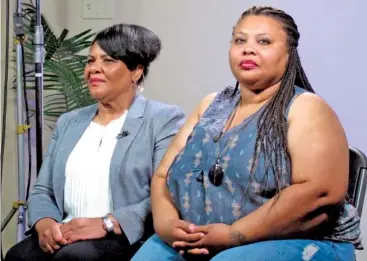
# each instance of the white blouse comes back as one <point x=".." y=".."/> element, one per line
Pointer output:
<point x="87" y="191"/>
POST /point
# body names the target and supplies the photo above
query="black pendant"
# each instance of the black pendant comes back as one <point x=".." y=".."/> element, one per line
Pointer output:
<point x="216" y="174"/>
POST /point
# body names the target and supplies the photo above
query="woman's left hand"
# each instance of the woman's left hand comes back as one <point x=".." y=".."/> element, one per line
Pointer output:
<point x="83" y="229"/>
<point x="217" y="237"/>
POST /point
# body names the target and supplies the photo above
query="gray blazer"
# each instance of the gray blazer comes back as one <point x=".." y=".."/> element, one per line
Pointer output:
<point x="150" y="125"/>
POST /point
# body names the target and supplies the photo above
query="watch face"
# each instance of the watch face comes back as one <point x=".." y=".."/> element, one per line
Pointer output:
<point x="108" y="224"/>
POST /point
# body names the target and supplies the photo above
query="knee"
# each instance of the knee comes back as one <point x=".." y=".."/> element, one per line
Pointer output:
<point x="15" y="254"/>
<point x="76" y="252"/>
<point x="27" y="250"/>
<point x="155" y="249"/>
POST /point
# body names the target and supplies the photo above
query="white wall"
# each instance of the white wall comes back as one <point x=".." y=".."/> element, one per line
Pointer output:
<point x="196" y="37"/>
<point x="8" y="190"/>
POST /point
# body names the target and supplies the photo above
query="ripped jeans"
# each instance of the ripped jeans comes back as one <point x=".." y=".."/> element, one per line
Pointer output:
<point x="154" y="249"/>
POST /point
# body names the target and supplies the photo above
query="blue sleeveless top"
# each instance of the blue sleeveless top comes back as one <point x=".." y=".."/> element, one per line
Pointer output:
<point x="240" y="193"/>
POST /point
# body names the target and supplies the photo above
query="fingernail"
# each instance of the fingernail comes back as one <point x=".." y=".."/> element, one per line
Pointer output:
<point x="192" y="227"/>
<point x="201" y="234"/>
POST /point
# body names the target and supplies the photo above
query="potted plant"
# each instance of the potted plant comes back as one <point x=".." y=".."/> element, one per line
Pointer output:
<point x="64" y="85"/>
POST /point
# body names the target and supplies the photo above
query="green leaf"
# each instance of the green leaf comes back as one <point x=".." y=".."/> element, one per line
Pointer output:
<point x="63" y="82"/>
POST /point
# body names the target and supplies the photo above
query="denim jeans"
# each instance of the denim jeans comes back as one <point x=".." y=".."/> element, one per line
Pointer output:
<point x="155" y="249"/>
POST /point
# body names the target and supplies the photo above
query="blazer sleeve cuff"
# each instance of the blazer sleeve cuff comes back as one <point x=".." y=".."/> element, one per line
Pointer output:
<point x="131" y="219"/>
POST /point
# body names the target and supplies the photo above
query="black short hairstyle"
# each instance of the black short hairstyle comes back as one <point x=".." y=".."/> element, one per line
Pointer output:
<point x="132" y="44"/>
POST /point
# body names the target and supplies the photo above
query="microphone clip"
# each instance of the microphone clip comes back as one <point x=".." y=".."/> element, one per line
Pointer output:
<point x="122" y="134"/>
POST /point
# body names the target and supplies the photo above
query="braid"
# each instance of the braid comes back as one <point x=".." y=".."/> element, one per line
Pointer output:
<point x="271" y="140"/>
<point x="301" y="78"/>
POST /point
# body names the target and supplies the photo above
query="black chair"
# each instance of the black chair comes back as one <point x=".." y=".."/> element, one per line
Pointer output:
<point x="357" y="178"/>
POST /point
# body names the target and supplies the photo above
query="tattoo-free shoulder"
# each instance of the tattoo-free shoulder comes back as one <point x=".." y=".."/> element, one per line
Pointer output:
<point x="205" y="103"/>
<point x="308" y="105"/>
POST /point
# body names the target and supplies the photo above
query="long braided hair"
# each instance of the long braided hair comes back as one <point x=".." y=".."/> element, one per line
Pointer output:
<point x="271" y="140"/>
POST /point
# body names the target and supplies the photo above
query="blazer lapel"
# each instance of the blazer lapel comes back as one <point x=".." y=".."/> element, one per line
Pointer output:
<point x="130" y="129"/>
<point x="76" y="128"/>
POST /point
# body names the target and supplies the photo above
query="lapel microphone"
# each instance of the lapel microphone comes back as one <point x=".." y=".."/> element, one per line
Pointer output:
<point x="122" y="134"/>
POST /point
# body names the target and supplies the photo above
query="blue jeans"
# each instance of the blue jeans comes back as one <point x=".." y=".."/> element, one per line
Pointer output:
<point x="155" y="249"/>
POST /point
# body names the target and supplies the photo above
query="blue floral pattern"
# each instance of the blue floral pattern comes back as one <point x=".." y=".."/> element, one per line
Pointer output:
<point x="200" y="202"/>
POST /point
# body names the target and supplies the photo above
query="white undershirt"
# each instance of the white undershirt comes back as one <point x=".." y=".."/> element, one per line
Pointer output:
<point x="87" y="191"/>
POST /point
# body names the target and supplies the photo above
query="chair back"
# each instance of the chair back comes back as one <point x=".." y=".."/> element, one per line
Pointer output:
<point x="357" y="178"/>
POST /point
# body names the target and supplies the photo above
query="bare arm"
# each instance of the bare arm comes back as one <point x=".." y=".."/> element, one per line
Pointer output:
<point x="319" y="155"/>
<point x="163" y="208"/>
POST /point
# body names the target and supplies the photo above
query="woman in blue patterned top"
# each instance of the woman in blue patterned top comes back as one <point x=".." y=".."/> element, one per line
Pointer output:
<point x="259" y="171"/>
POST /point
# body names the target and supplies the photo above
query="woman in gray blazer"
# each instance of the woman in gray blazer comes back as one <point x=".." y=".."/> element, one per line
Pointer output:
<point x="92" y="195"/>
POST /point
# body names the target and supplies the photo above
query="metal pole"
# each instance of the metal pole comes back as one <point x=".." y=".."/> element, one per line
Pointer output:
<point x="19" y="32"/>
<point x="7" y="219"/>
<point x="39" y="59"/>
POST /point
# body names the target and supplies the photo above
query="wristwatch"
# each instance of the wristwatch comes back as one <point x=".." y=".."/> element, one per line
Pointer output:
<point x="108" y="224"/>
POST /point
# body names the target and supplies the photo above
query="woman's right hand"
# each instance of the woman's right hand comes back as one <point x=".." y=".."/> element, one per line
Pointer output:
<point x="49" y="235"/>
<point x="180" y="230"/>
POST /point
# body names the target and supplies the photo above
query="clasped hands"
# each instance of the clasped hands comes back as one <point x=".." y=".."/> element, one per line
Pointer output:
<point x="199" y="240"/>
<point x="53" y="235"/>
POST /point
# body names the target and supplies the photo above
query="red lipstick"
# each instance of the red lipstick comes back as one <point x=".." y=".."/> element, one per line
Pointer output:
<point x="248" y="64"/>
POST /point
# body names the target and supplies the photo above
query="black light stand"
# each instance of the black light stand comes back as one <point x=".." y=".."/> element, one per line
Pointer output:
<point x="21" y="128"/>
<point x="39" y="59"/>
<point x="20" y="204"/>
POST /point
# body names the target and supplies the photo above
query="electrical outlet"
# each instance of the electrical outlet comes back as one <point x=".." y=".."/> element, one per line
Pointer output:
<point x="99" y="9"/>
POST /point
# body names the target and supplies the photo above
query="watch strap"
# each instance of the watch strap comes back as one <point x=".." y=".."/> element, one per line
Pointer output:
<point x="108" y="224"/>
